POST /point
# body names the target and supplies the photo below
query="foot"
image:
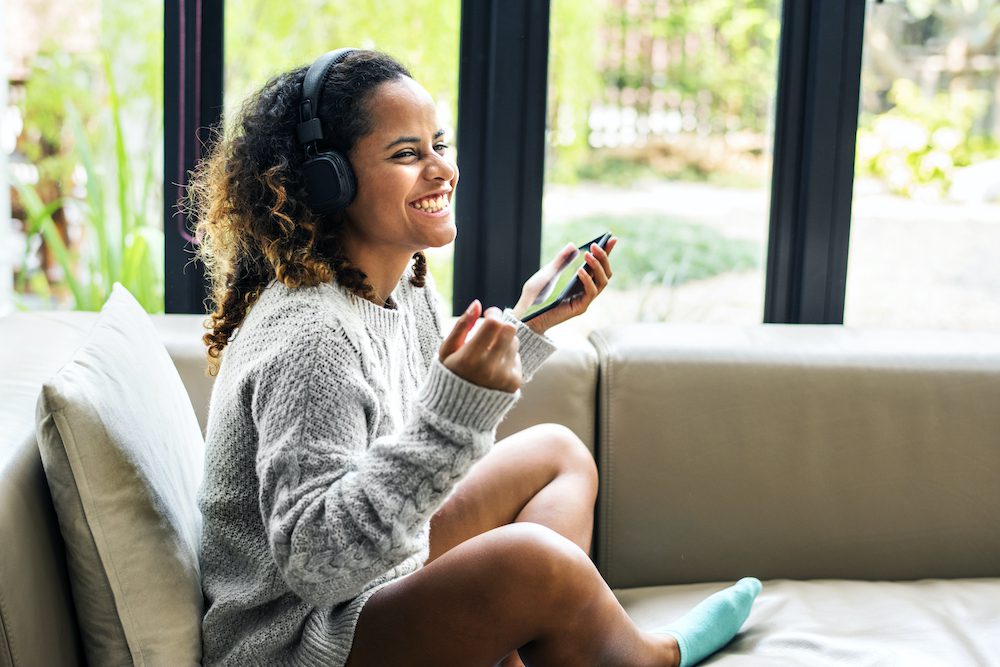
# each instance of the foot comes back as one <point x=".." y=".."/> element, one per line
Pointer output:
<point x="713" y="623"/>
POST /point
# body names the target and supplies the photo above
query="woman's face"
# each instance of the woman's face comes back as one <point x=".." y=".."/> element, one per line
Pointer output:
<point x="405" y="179"/>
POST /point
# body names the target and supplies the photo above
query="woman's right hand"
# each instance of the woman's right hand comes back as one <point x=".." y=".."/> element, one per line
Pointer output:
<point x="489" y="358"/>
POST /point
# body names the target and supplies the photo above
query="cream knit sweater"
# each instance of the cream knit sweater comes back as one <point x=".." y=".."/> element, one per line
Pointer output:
<point x="334" y="433"/>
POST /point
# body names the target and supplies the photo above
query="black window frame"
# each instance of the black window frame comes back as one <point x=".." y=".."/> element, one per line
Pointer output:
<point x="193" y="49"/>
<point x="503" y="79"/>
<point x="816" y="122"/>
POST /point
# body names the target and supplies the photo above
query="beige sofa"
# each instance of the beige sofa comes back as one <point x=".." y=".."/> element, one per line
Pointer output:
<point x="856" y="473"/>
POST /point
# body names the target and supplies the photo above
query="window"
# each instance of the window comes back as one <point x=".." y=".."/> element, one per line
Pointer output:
<point x="659" y="125"/>
<point x="83" y="139"/>
<point x="925" y="231"/>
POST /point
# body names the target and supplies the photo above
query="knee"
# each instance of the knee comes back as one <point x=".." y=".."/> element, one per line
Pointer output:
<point x="537" y="560"/>
<point x="569" y="454"/>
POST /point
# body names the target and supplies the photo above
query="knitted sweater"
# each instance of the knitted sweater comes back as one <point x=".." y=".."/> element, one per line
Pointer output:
<point x="334" y="434"/>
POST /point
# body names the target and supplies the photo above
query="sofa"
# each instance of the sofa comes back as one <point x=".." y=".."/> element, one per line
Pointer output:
<point x="855" y="472"/>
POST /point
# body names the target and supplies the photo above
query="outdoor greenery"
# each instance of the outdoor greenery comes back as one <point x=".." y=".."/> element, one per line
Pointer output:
<point x="264" y="38"/>
<point x="709" y="65"/>
<point x="93" y="132"/>
<point x="916" y="146"/>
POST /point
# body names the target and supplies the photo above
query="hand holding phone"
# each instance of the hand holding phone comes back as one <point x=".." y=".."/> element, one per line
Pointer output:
<point x="565" y="282"/>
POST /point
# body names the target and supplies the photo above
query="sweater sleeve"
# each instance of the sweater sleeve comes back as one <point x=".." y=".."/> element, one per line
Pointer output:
<point x="340" y="506"/>
<point x="534" y="348"/>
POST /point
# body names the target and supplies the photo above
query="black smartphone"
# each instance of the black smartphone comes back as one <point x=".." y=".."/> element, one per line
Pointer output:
<point x="566" y="283"/>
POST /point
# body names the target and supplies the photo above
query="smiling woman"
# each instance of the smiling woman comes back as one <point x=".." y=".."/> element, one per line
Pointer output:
<point x="405" y="184"/>
<point x="340" y="503"/>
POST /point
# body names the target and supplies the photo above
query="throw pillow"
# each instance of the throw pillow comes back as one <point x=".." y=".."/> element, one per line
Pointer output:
<point x="123" y="453"/>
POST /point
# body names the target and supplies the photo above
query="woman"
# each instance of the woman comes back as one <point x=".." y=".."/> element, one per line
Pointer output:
<point x="356" y="509"/>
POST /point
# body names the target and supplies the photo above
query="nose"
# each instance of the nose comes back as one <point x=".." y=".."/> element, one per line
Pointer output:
<point x="441" y="168"/>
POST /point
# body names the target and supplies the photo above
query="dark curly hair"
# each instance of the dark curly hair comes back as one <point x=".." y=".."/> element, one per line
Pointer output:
<point x="249" y="201"/>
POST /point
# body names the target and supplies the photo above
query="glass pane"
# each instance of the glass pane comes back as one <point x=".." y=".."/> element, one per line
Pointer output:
<point x="925" y="232"/>
<point x="659" y="130"/>
<point x="82" y="133"/>
<point x="264" y="38"/>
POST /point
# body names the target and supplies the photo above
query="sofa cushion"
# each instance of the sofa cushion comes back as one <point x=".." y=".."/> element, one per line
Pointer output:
<point x="931" y="622"/>
<point x="122" y="452"/>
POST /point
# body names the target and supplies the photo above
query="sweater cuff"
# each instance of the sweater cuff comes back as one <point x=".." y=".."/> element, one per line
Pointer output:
<point x="533" y="347"/>
<point x="463" y="403"/>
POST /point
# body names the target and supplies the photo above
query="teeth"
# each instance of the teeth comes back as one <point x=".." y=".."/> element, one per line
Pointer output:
<point x="433" y="204"/>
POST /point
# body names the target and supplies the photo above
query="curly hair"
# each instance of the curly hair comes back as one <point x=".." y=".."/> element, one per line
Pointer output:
<point x="248" y="195"/>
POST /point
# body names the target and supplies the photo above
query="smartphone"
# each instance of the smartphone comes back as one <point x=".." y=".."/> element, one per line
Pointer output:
<point x="565" y="284"/>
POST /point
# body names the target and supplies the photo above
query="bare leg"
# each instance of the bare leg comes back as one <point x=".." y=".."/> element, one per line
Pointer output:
<point x="543" y="474"/>
<point x="520" y="586"/>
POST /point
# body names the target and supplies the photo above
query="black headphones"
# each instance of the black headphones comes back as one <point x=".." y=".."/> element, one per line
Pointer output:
<point x="330" y="182"/>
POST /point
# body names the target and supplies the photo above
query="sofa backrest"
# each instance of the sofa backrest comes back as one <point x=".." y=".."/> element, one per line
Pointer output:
<point x="37" y="621"/>
<point x="797" y="452"/>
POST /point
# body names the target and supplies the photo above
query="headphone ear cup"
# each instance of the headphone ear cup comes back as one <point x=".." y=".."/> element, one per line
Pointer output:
<point x="330" y="182"/>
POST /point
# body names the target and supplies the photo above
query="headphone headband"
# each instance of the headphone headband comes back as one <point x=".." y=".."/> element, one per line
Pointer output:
<point x="309" y="129"/>
<point x="328" y="178"/>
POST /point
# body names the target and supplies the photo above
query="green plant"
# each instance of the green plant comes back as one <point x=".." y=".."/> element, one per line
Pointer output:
<point x="915" y="146"/>
<point x="124" y="247"/>
<point x="710" y="64"/>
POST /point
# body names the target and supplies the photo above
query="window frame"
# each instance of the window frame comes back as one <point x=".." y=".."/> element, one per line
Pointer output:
<point x="812" y="179"/>
<point x="193" y="48"/>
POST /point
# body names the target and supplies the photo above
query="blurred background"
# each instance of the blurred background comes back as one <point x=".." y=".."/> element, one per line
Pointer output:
<point x="660" y="120"/>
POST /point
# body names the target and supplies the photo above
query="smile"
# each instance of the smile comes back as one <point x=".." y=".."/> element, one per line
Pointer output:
<point x="436" y="206"/>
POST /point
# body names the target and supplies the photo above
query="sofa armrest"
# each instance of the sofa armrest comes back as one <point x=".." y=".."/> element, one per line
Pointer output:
<point x="37" y="620"/>
<point x="796" y="451"/>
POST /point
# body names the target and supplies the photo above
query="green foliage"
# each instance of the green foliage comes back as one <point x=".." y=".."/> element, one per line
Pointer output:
<point x="264" y="38"/>
<point x="53" y="78"/>
<point x="656" y="248"/>
<point x="93" y="124"/>
<point x="720" y="64"/>
<point x="574" y="82"/>
<point x="125" y="247"/>
<point x="729" y="55"/>
<point x="917" y="145"/>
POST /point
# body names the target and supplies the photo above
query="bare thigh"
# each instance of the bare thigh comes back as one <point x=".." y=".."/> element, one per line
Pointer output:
<point x="470" y="603"/>
<point x="477" y="603"/>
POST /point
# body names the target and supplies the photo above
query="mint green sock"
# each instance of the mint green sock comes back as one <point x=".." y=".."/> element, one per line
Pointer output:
<point x="716" y="620"/>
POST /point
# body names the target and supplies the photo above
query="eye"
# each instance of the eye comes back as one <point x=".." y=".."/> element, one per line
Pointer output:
<point x="405" y="153"/>
<point x="441" y="148"/>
